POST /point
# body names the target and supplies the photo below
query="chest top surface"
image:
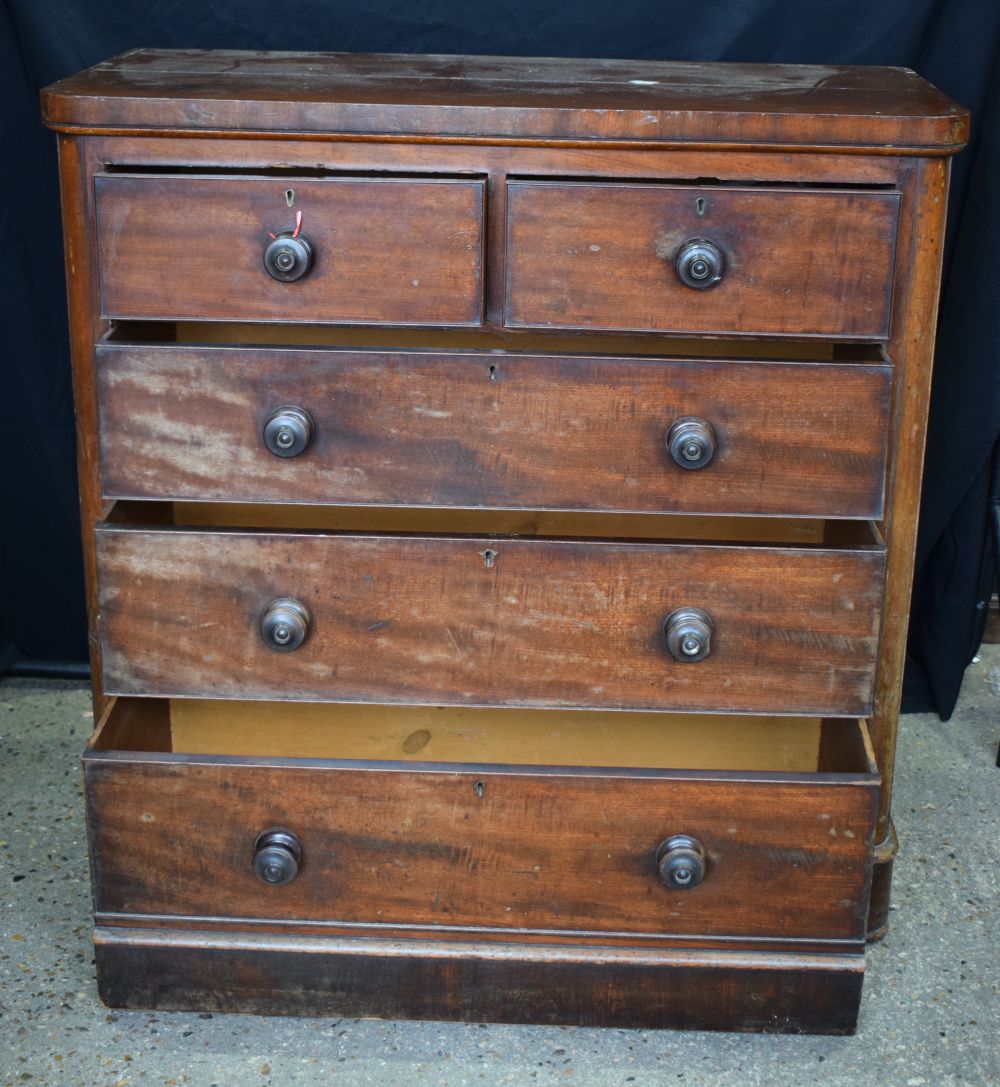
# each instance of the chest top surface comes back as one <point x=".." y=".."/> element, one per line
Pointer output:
<point x="508" y="99"/>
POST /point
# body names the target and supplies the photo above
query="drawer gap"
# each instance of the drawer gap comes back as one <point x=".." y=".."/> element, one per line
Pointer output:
<point x="450" y="522"/>
<point x="291" y="171"/>
<point x="489" y="338"/>
<point x="761" y="182"/>
<point x="487" y="737"/>
<point x="284" y="171"/>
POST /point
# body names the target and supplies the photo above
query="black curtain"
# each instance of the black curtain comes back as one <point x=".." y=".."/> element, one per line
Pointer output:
<point x="954" y="43"/>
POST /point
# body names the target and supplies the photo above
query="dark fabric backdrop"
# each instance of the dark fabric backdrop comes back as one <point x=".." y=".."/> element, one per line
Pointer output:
<point x="954" y="44"/>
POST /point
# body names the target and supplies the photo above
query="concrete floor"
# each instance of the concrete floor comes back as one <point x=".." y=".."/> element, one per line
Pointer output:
<point x="930" y="1018"/>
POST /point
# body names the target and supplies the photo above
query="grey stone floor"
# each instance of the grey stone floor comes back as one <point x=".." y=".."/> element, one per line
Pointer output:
<point x="930" y="1017"/>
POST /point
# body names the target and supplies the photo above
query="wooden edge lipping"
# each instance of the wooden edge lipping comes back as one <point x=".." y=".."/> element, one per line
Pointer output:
<point x="918" y="269"/>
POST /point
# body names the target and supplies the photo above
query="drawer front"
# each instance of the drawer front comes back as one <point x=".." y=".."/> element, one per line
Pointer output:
<point x="792" y="262"/>
<point x="494" y="431"/>
<point x="560" y="851"/>
<point x="409" y="252"/>
<point x="489" y="621"/>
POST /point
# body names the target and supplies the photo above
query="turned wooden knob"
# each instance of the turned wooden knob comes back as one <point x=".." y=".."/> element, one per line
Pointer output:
<point x="691" y="442"/>
<point x="689" y="634"/>
<point x="288" y="257"/>
<point x="284" y="625"/>
<point x="680" y="860"/>
<point x="699" y="264"/>
<point x="288" y="431"/>
<point x="277" y="855"/>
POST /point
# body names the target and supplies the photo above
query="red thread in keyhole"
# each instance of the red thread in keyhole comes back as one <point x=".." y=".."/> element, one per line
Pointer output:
<point x="295" y="232"/>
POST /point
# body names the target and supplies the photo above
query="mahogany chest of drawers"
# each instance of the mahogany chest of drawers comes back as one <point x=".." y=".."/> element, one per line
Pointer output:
<point x="499" y="483"/>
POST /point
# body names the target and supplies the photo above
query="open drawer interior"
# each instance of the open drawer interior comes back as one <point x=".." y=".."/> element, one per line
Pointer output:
<point x="512" y="737"/>
<point x="552" y="823"/>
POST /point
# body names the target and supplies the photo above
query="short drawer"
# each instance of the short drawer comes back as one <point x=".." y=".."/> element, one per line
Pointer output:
<point x="493" y="430"/>
<point x="710" y="259"/>
<point x="178" y="828"/>
<point x="490" y="621"/>
<point x="407" y="251"/>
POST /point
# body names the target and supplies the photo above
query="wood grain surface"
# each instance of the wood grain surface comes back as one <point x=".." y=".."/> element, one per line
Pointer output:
<point x="530" y="98"/>
<point x="493" y="430"/>
<point x="919" y="281"/>
<point x="409" y="251"/>
<point x="600" y="256"/>
<point x="788" y="855"/>
<point x="76" y="165"/>
<point x="351" y="155"/>
<point x="483" y="621"/>
<point x="409" y="979"/>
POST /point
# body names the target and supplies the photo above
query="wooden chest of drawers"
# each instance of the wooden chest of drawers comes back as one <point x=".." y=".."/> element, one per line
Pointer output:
<point x="499" y="484"/>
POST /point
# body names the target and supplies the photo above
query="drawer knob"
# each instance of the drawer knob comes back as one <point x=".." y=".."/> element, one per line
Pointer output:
<point x="288" y="257"/>
<point x="288" y="431"/>
<point x="689" y="634"/>
<point x="680" y="861"/>
<point x="691" y="442"/>
<point x="284" y="625"/>
<point x="699" y="264"/>
<point x="277" y="855"/>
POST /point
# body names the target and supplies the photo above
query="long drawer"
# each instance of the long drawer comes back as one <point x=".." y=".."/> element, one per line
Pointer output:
<point x="459" y="846"/>
<point x="494" y="430"/>
<point x="402" y="250"/>
<point x="489" y="621"/>
<point x="707" y="259"/>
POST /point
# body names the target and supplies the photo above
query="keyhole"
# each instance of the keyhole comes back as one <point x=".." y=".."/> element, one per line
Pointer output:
<point x="480" y="789"/>
<point x="290" y="197"/>
<point x="489" y="556"/>
<point x="493" y="372"/>
<point x="699" y="205"/>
